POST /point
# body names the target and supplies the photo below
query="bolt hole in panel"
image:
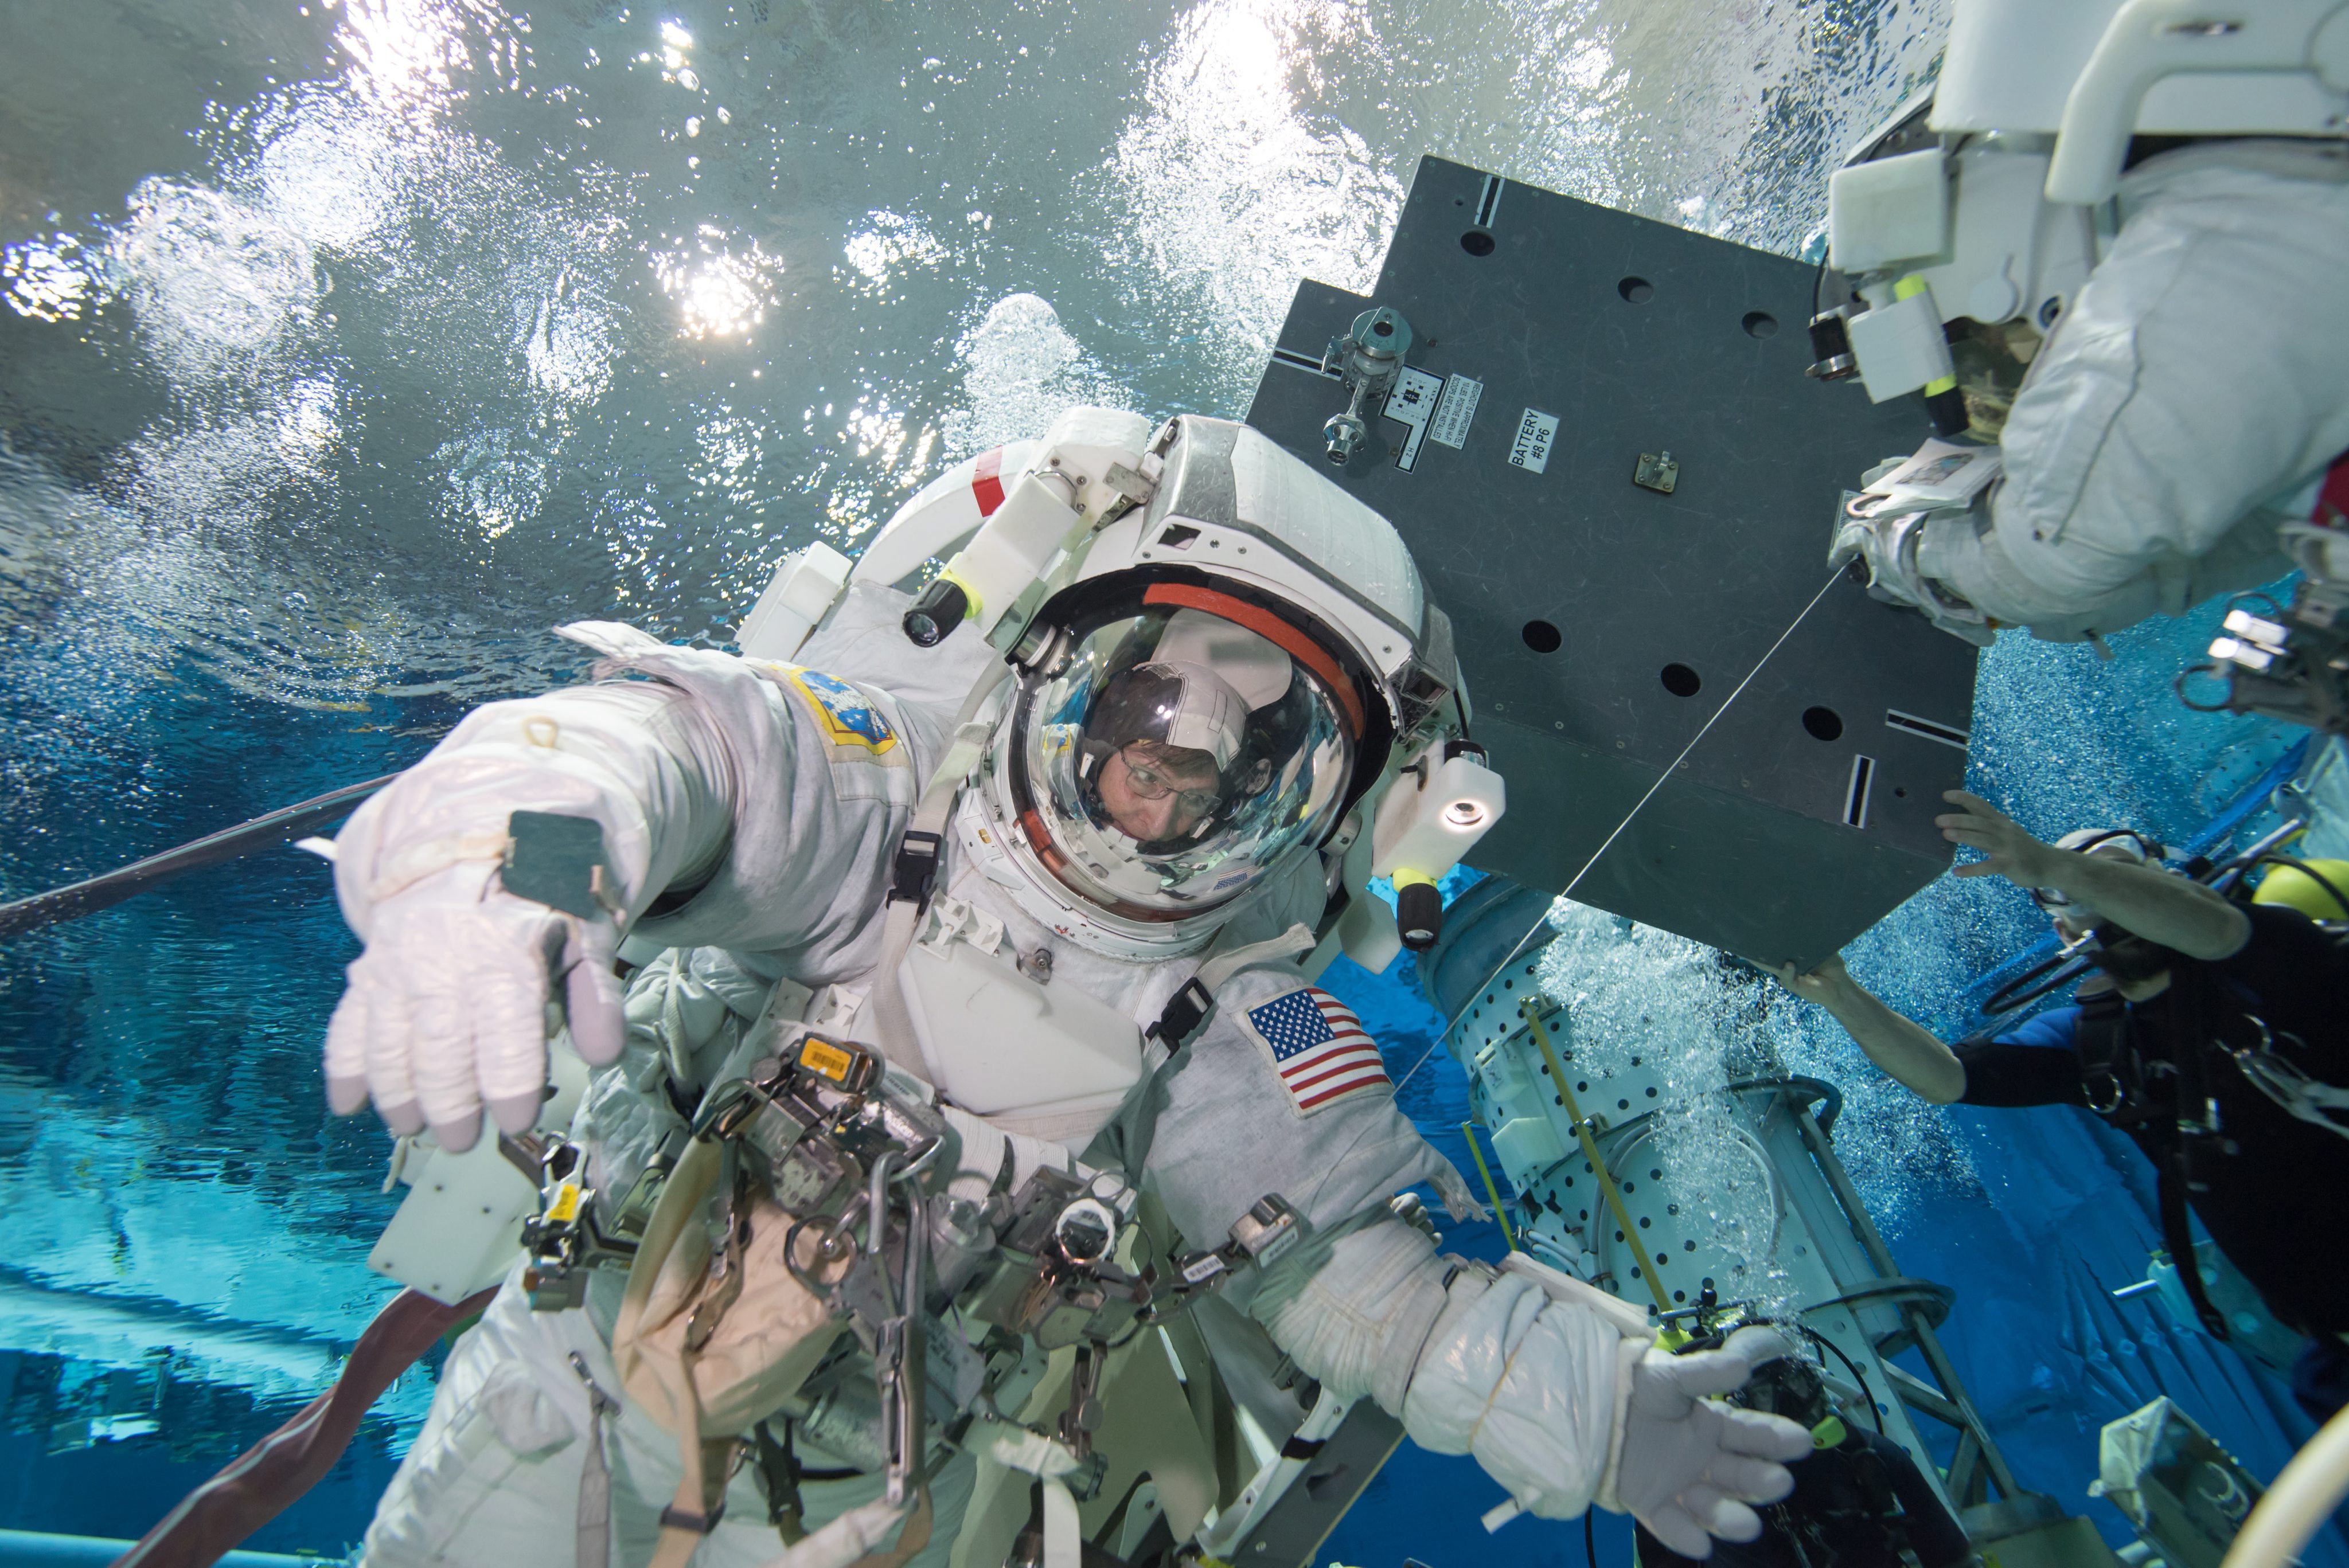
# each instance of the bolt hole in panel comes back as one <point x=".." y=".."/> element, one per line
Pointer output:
<point x="1518" y="512"/>
<point x="1682" y="681"/>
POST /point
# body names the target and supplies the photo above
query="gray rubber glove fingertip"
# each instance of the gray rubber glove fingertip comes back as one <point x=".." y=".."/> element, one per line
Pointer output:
<point x="457" y="1137"/>
<point x="592" y="1009"/>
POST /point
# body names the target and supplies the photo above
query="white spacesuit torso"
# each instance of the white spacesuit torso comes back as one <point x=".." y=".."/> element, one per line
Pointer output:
<point x="778" y="799"/>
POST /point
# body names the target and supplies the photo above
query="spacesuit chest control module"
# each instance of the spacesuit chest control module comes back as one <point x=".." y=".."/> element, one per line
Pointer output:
<point x="972" y="1037"/>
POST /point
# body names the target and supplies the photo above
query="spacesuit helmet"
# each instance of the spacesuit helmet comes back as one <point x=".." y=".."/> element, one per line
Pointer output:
<point x="1173" y="755"/>
<point x="1207" y="690"/>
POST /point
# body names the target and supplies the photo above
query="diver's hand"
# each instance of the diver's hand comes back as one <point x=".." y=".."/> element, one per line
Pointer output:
<point x="1691" y="1466"/>
<point x="445" y="1009"/>
<point x="2007" y="851"/>
<point x="1826" y="984"/>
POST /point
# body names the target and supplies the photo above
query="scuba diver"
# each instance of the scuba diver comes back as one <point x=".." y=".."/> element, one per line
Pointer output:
<point x="2213" y="1036"/>
<point x="2110" y="243"/>
<point x="1859" y="1501"/>
<point x="969" y="1040"/>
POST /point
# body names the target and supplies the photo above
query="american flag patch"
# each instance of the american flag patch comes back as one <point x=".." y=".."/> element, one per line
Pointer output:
<point x="1317" y="1047"/>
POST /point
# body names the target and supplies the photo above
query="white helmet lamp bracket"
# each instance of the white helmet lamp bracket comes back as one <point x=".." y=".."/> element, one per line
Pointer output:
<point x="1445" y="800"/>
<point x="1088" y="467"/>
<point x="1988" y="197"/>
<point x="1928" y="238"/>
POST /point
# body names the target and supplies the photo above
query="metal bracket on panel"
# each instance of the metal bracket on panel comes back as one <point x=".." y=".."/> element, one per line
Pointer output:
<point x="1369" y="358"/>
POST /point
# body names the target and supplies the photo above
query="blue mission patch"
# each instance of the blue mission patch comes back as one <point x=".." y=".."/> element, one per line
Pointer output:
<point x="846" y="715"/>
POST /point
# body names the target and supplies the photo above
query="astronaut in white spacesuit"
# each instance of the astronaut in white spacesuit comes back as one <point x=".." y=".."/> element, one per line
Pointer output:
<point x="2183" y="321"/>
<point x="1018" y="865"/>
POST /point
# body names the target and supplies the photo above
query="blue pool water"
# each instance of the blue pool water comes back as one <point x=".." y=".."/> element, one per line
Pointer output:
<point x="352" y="343"/>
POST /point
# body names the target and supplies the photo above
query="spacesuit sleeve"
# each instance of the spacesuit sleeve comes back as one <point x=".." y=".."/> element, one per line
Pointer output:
<point x="1284" y="1092"/>
<point x="2197" y="383"/>
<point x="1528" y="1372"/>
<point x="732" y="788"/>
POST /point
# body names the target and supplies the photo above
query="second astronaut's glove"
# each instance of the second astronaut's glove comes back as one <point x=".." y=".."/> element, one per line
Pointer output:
<point x="1691" y="1467"/>
<point x="1888" y="545"/>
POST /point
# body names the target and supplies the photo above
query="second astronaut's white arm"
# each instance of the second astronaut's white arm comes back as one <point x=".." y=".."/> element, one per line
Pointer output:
<point x="2182" y="408"/>
<point x="1554" y="1388"/>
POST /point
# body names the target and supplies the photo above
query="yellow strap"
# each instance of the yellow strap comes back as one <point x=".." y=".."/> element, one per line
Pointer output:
<point x="1590" y="1150"/>
<point x="1468" y="1131"/>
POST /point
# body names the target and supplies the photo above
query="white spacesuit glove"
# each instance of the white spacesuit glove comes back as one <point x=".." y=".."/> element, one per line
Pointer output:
<point x="1689" y="1465"/>
<point x="1547" y="1381"/>
<point x="445" y="1009"/>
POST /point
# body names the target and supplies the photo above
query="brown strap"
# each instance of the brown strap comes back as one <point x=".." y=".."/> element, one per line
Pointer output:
<point x="701" y="1498"/>
<point x="271" y="1476"/>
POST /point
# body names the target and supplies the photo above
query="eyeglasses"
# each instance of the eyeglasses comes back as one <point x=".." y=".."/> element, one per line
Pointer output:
<point x="1150" y="782"/>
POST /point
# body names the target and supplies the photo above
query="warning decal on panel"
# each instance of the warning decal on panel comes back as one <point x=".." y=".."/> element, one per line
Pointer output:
<point x="1412" y="401"/>
<point x="1535" y="433"/>
<point x="1454" y="411"/>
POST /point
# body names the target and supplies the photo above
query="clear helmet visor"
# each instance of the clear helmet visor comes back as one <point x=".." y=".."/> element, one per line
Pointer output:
<point x="1176" y="757"/>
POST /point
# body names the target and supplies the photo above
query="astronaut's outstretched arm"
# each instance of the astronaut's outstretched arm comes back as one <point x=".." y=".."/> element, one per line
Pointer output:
<point x="1554" y="1387"/>
<point x="2182" y="408"/>
<point x="445" y="1010"/>
<point x="1551" y="1384"/>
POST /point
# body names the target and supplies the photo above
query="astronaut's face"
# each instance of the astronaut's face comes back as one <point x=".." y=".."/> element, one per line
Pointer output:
<point x="1154" y="792"/>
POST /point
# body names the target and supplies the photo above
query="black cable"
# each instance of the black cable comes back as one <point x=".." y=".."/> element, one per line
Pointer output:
<point x="1853" y="1367"/>
<point x="1589" y="1540"/>
<point x="71" y="902"/>
<point x="2068" y="965"/>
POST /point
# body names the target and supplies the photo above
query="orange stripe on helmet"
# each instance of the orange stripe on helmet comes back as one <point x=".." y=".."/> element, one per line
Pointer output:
<point x="1272" y="629"/>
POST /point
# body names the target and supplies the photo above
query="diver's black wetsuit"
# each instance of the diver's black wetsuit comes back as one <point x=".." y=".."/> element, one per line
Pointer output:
<point x="2261" y="1181"/>
<point x="1840" y="1516"/>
